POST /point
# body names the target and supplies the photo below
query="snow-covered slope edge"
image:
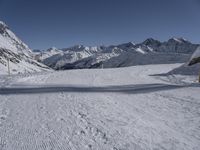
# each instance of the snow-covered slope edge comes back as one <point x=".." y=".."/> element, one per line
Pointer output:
<point x="192" y="67"/>
<point x="195" y="57"/>
<point x="20" y="56"/>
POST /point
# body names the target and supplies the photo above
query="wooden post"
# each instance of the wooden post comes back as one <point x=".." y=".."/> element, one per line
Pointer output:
<point x="8" y="64"/>
<point x="199" y="77"/>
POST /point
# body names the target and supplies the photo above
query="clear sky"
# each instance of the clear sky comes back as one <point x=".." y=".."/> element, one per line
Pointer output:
<point x="63" y="23"/>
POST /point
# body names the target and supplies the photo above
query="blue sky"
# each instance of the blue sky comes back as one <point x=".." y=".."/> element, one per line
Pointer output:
<point x="63" y="23"/>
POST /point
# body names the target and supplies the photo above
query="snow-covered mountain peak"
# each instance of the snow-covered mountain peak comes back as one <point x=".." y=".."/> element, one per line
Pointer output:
<point x="77" y="47"/>
<point x="81" y="48"/>
<point x="126" y="46"/>
<point x="53" y="49"/>
<point x="183" y="39"/>
<point x="179" y="40"/>
<point x="133" y="43"/>
<point x="10" y="41"/>
<point x="17" y="52"/>
<point x="151" y="41"/>
<point x="3" y="24"/>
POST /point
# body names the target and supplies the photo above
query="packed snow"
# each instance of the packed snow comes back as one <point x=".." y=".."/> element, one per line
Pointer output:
<point x="101" y="109"/>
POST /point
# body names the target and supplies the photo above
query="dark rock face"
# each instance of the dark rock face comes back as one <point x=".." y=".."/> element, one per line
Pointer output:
<point x="194" y="61"/>
<point x="3" y="28"/>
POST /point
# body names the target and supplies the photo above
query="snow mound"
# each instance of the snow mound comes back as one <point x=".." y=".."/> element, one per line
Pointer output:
<point x="186" y="70"/>
<point x="196" y="53"/>
<point x="190" y="68"/>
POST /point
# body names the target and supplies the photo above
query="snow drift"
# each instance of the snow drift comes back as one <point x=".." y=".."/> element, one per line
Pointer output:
<point x="190" y="68"/>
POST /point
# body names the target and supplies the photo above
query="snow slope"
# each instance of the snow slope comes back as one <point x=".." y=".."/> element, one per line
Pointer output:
<point x="190" y="68"/>
<point x="195" y="57"/>
<point x="99" y="109"/>
<point x="19" y="54"/>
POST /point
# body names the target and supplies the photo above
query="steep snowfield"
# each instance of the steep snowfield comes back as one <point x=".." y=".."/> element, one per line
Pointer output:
<point x="19" y="54"/>
<point x="186" y="70"/>
<point x="8" y="40"/>
<point x="195" y="57"/>
<point x="116" y="109"/>
<point x="196" y="53"/>
<point x="190" y="68"/>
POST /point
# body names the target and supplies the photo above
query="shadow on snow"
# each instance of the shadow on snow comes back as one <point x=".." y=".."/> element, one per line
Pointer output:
<point x="128" y="89"/>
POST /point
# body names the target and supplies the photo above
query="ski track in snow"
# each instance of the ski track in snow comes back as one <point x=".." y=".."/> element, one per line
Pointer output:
<point x="164" y="119"/>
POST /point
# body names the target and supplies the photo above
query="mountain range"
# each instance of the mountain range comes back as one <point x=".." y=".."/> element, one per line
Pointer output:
<point x="22" y="59"/>
<point x="151" y="51"/>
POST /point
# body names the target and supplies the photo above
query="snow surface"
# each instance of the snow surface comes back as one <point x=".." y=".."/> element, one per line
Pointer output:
<point x="196" y="53"/>
<point x="99" y="109"/>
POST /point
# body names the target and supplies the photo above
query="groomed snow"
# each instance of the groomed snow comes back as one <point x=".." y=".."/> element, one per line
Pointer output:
<point x="100" y="109"/>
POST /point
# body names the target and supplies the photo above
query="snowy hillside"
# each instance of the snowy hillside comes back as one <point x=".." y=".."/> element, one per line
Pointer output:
<point x="192" y="67"/>
<point x="195" y="57"/>
<point x="100" y="109"/>
<point x="175" y="50"/>
<point x="20" y="56"/>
